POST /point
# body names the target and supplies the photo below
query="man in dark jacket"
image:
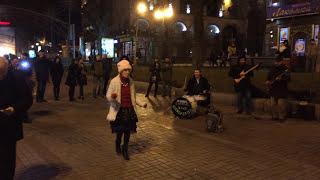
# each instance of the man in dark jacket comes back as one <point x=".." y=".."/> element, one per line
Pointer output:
<point x="155" y="77"/>
<point x="277" y="81"/>
<point x="42" y="69"/>
<point x="56" y="72"/>
<point x="15" y="100"/>
<point x="242" y="88"/>
<point x="198" y="85"/>
<point x="97" y="68"/>
<point x="107" y="68"/>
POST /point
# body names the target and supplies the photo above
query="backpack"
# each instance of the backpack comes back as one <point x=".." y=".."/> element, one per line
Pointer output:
<point x="214" y="121"/>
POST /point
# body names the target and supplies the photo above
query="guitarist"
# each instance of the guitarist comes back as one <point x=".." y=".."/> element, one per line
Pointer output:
<point x="277" y="81"/>
<point x="242" y="88"/>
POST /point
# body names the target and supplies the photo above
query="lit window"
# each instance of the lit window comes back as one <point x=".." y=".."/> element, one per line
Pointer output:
<point x="188" y="9"/>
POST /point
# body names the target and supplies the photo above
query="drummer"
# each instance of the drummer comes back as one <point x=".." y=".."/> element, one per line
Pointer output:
<point x="199" y="85"/>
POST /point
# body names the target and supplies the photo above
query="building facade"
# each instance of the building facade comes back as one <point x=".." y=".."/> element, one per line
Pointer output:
<point x="146" y="37"/>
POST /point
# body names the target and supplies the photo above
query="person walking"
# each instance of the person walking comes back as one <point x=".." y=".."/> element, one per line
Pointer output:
<point x="312" y="54"/>
<point x="155" y="78"/>
<point x="42" y="70"/>
<point x="56" y="72"/>
<point x="72" y="78"/>
<point x="277" y="81"/>
<point x="16" y="99"/>
<point x="82" y="78"/>
<point x="97" y="68"/>
<point x="107" y="69"/>
<point x="122" y="112"/>
<point x="167" y="77"/>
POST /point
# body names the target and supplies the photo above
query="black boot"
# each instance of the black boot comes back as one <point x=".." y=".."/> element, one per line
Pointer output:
<point x="125" y="152"/>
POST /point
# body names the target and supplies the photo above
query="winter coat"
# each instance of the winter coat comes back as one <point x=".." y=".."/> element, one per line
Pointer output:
<point x="56" y="72"/>
<point x="14" y="92"/>
<point x="155" y="72"/>
<point x="279" y="89"/>
<point x="107" y="67"/>
<point x="312" y="50"/>
<point x="167" y="72"/>
<point x="82" y="77"/>
<point x="195" y="88"/>
<point x="73" y="75"/>
<point x="42" y="69"/>
<point x="245" y="84"/>
<point x="115" y="104"/>
<point x="97" y="68"/>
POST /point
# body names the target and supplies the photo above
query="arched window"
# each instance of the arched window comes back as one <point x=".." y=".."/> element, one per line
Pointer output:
<point x="213" y="30"/>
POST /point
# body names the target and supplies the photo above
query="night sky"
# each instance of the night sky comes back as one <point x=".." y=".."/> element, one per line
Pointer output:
<point x="31" y="26"/>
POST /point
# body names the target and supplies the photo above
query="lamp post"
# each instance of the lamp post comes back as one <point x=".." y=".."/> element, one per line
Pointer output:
<point x="163" y="12"/>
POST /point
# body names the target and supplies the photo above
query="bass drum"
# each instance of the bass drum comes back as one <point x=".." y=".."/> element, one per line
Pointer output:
<point x="192" y="100"/>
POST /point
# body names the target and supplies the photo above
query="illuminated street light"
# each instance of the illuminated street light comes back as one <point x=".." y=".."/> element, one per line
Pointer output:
<point x="168" y="12"/>
<point x="142" y="8"/>
<point x="158" y="14"/>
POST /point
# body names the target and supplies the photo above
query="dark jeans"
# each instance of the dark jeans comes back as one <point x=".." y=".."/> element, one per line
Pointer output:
<point x="7" y="160"/>
<point x="41" y="88"/>
<point x="81" y="91"/>
<point x="244" y="101"/>
<point x="166" y="88"/>
<point x="105" y="85"/>
<point x="71" y="92"/>
<point x="155" y="88"/>
<point x="125" y="139"/>
<point x="56" y="90"/>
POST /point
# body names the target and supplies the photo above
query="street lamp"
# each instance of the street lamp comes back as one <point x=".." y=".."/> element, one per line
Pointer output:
<point x="142" y="8"/>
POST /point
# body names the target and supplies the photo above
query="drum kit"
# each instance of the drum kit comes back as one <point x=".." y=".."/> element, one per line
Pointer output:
<point x="186" y="106"/>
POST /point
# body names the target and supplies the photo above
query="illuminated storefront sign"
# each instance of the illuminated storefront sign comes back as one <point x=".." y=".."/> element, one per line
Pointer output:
<point x="284" y="34"/>
<point x="107" y="46"/>
<point x="308" y="8"/>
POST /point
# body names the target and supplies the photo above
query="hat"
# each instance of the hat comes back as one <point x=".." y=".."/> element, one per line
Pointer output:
<point x="122" y="65"/>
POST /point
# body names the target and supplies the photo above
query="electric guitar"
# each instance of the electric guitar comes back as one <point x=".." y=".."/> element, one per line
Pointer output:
<point x="275" y="79"/>
<point x="238" y="80"/>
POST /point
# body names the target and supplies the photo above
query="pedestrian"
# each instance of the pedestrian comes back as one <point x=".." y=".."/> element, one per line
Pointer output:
<point x="26" y="66"/>
<point x="82" y="78"/>
<point x="312" y="54"/>
<point x="242" y="88"/>
<point x="72" y="78"/>
<point x="56" y="73"/>
<point x="122" y="113"/>
<point x="167" y="77"/>
<point x="155" y="78"/>
<point x="212" y="58"/>
<point x="97" y="68"/>
<point x="16" y="99"/>
<point x="42" y="69"/>
<point x="107" y="68"/>
<point x="277" y="82"/>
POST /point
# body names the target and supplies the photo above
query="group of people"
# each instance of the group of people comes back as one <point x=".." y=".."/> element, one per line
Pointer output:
<point x="276" y="82"/>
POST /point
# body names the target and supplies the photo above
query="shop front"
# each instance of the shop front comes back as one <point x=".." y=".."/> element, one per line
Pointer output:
<point x="297" y="24"/>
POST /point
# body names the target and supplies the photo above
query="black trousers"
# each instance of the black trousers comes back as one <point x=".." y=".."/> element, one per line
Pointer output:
<point x="126" y="138"/>
<point x="56" y="90"/>
<point x="81" y="91"/>
<point x="156" y="84"/>
<point x="71" y="92"/>
<point x="41" y="89"/>
<point x="105" y="85"/>
<point x="7" y="160"/>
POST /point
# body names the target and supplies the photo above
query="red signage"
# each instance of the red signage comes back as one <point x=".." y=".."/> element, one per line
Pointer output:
<point x="5" y="23"/>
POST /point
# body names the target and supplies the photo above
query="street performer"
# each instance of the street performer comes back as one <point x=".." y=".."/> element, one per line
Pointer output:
<point x="277" y="82"/>
<point x="200" y="87"/>
<point x="243" y="85"/>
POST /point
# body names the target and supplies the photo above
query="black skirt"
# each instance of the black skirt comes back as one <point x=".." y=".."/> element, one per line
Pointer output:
<point x="126" y="120"/>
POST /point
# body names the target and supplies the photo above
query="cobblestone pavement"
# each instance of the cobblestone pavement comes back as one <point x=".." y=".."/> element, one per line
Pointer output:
<point x="73" y="141"/>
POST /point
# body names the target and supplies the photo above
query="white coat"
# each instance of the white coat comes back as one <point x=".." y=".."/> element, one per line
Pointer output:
<point x="115" y="104"/>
